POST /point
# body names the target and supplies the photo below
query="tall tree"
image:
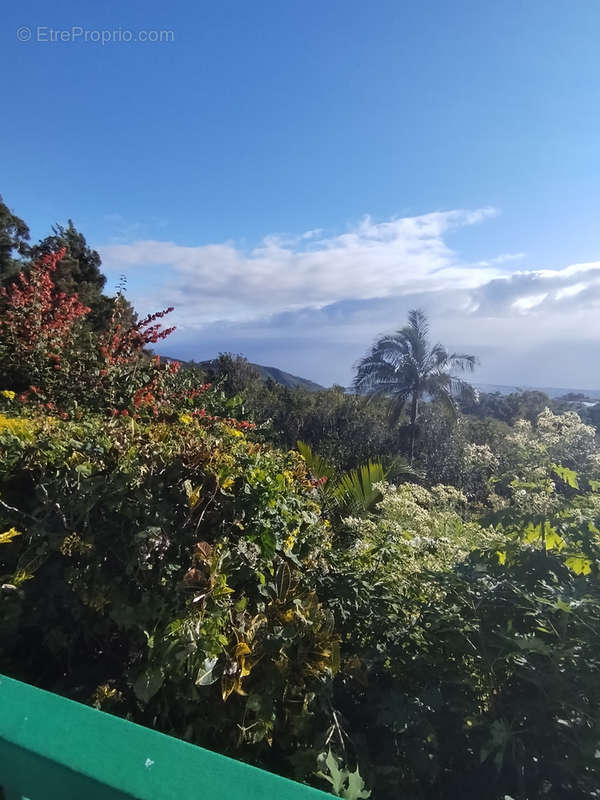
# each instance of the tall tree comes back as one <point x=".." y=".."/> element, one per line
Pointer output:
<point x="79" y="272"/>
<point x="405" y="367"/>
<point x="234" y="372"/>
<point x="14" y="238"/>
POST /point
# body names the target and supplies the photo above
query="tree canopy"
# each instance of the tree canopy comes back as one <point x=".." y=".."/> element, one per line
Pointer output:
<point x="170" y="552"/>
<point x="14" y="242"/>
<point x="406" y="367"/>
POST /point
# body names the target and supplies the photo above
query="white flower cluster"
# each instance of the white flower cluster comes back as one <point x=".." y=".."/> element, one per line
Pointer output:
<point x="416" y="530"/>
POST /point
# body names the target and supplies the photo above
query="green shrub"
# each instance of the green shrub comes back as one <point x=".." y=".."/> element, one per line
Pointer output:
<point x="161" y="571"/>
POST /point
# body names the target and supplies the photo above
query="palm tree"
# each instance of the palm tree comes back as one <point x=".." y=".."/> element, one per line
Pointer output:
<point x="405" y="366"/>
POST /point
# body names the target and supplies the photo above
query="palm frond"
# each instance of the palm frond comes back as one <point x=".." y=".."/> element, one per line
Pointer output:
<point x="463" y="390"/>
<point x="318" y="466"/>
<point x="437" y="357"/>
<point x="404" y="364"/>
<point x="417" y="320"/>
<point x="355" y="491"/>
<point x="400" y="468"/>
<point x="462" y="362"/>
<point x="450" y="390"/>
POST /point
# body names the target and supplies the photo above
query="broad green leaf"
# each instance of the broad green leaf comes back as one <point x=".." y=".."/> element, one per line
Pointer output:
<point x="205" y="674"/>
<point x="148" y="683"/>
<point x="553" y="540"/>
<point x="567" y="475"/>
<point x="579" y="564"/>
<point x="337" y="776"/>
<point x="532" y="533"/>
<point x="356" y="787"/>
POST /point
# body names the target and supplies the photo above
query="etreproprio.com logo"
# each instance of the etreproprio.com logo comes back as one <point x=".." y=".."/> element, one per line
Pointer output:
<point x="76" y="33"/>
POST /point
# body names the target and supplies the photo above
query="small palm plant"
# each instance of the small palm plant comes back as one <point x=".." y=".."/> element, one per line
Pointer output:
<point x="355" y="491"/>
<point x="406" y="367"/>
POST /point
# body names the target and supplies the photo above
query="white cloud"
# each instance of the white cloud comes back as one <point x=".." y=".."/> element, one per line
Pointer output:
<point x="286" y="273"/>
<point x="529" y="302"/>
<point x="570" y="291"/>
<point x="312" y="303"/>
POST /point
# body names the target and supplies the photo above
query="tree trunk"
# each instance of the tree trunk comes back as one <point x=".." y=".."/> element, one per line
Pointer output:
<point x="414" y="410"/>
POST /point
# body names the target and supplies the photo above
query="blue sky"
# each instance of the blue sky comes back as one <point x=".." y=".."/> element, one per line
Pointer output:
<point x="294" y="176"/>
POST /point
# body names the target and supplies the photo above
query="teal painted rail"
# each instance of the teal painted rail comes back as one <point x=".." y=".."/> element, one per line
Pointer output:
<point x="55" y="749"/>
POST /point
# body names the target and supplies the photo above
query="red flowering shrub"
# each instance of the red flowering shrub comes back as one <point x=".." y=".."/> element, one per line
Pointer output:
<point x="38" y="329"/>
<point x="121" y="345"/>
<point x="49" y="358"/>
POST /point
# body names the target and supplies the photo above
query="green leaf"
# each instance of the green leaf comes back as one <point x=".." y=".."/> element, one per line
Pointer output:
<point x="148" y="683"/>
<point x="356" y="787"/>
<point x="205" y="673"/>
<point x="84" y="469"/>
<point x="268" y="542"/>
<point x="532" y="533"/>
<point x="569" y="476"/>
<point x="533" y="644"/>
<point x="317" y="465"/>
<point x="579" y="564"/>
<point x="337" y="775"/>
<point x="553" y="540"/>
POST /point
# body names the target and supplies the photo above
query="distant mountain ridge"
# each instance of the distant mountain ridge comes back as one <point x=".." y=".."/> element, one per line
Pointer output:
<point x="279" y="376"/>
<point x="295" y="381"/>
<point x="287" y="379"/>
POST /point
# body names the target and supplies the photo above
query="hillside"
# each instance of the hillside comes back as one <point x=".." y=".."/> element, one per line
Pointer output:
<point x="287" y="379"/>
<point x="279" y="376"/>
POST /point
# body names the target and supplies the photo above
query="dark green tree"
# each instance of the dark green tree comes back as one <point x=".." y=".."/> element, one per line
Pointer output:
<point x="406" y="367"/>
<point x="508" y="408"/>
<point x="14" y="238"/>
<point x="234" y="373"/>
<point x="79" y="272"/>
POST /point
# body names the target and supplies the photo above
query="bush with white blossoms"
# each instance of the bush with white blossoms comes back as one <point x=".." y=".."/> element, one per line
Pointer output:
<point x="417" y="530"/>
<point x="531" y="450"/>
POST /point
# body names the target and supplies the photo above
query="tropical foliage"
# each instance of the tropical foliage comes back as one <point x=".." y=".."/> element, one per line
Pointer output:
<point x="405" y="366"/>
<point x="326" y="612"/>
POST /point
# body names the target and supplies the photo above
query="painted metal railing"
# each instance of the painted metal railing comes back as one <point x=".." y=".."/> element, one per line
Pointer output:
<point x="55" y="749"/>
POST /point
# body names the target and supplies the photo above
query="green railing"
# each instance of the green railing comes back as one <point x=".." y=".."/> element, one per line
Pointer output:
<point x="55" y="749"/>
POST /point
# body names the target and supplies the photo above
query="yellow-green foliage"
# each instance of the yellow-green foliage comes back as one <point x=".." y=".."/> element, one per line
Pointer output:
<point x="180" y="573"/>
<point x="167" y="562"/>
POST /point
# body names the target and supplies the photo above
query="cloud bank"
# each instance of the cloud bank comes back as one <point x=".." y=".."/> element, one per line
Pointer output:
<point x="312" y="303"/>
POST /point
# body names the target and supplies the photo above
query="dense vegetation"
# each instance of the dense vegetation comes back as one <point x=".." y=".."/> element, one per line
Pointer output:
<point x="327" y="610"/>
